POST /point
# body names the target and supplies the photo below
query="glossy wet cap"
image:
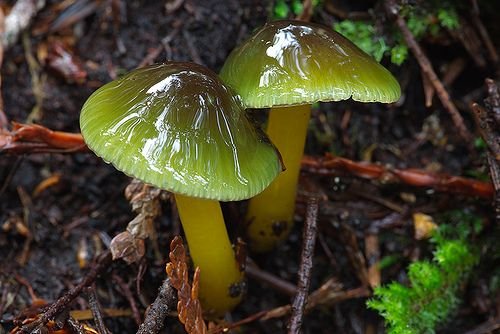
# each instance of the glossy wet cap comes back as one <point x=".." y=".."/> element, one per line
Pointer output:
<point x="294" y="62"/>
<point x="178" y="127"/>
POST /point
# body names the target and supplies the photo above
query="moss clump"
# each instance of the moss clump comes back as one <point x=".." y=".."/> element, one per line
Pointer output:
<point x="433" y="285"/>
<point x="430" y="18"/>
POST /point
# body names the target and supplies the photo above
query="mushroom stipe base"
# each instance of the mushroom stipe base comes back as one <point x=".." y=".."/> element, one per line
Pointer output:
<point x="270" y="213"/>
<point x="211" y="251"/>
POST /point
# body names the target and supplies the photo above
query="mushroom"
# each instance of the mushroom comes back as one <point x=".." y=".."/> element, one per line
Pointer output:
<point x="287" y="66"/>
<point x="178" y="127"/>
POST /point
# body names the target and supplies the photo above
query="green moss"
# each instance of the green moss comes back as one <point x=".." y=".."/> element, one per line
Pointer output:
<point x="363" y="35"/>
<point x="428" y="18"/>
<point x="433" y="285"/>
<point x="282" y="9"/>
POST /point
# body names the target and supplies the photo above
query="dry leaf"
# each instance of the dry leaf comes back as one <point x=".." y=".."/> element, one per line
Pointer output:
<point x="64" y="63"/>
<point x="82" y="253"/>
<point x="140" y="194"/>
<point x="424" y="225"/>
<point x="47" y="183"/>
<point x="125" y="246"/>
<point x="372" y="253"/>
<point x="188" y="306"/>
<point x="142" y="226"/>
<point x="145" y="201"/>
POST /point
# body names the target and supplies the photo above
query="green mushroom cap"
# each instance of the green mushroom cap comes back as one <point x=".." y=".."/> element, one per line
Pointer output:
<point x="178" y="127"/>
<point x="294" y="62"/>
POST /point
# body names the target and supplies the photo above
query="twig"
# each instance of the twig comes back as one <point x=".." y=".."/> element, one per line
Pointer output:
<point x="489" y="326"/>
<point x="307" y="11"/>
<point x="193" y="52"/>
<point x="493" y="99"/>
<point x="73" y="13"/>
<point x="164" y="303"/>
<point x="28" y="286"/>
<point x="107" y="312"/>
<point x="471" y="42"/>
<point x="306" y="260"/>
<point x="488" y="120"/>
<point x="3" y="118"/>
<point x="277" y="283"/>
<point x="154" y="53"/>
<point x="391" y="220"/>
<point x="349" y="240"/>
<point x="495" y="176"/>
<point x="13" y="169"/>
<point x="327" y="251"/>
<point x="412" y="177"/>
<point x="27" y="218"/>
<point x="96" y="309"/>
<point x="483" y="32"/>
<point x="331" y="7"/>
<point x="426" y="67"/>
<point x="486" y="125"/>
<point x="125" y="290"/>
<point x="372" y="254"/>
<point x="38" y="79"/>
<point x="379" y="200"/>
<point x="172" y="6"/>
<point x="57" y="307"/>
<point x="75" y="326"/>
<point x="32" y="138"/>
<point x="328" y="294"/>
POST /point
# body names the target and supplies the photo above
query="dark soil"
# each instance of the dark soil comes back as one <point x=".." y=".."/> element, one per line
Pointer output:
<point x="76" y="218"/>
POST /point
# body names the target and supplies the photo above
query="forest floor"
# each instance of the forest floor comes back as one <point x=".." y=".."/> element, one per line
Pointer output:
<point x="60" y="210"/>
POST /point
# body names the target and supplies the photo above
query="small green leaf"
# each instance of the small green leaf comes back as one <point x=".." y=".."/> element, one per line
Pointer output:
<point x="399" y="53"/>
<point x="388" y="261"/>
<point x="448" y="18"/>
<point x="281" y="10"/>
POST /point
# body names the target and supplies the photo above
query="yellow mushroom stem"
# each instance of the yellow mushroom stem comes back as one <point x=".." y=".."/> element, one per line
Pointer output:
<point x="270" y="214"/>
<point x="210" y="249"/>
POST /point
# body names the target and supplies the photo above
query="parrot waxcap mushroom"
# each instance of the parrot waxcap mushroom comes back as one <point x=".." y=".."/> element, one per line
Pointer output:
<point x="178" y="127"/>
<point x="287" y="66"/>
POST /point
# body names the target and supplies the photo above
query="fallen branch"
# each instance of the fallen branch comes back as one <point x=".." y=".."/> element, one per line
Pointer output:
<point x="306" y="262"/>
<point x="278" y="284"/>
<point x="489" y="326"/>
<point x="484" y="33"/>
<point x="164" y="303"/>
<point x="307" y="11"/>
<point x="96" y="309"/>
<point x="3" y="116"/>
<point x="127" y="293"/>
<point x="412" y="177"/>
<point x="32" y="138"/>
<point x="488" y="120"/>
